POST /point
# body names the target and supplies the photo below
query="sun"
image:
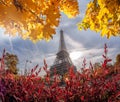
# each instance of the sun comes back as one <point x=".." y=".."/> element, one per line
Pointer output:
<point x="75" y="55"/>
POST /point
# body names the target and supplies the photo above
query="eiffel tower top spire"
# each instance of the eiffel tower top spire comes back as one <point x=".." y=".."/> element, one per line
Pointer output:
<point x="62" y="45"/>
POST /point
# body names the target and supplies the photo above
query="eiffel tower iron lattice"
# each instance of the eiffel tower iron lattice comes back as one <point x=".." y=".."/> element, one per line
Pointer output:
<point x="62" y="61"/>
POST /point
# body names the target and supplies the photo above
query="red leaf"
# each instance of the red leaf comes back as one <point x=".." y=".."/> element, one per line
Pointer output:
<point x="35" y="68"/>
<point x="109" y="60"/>
<point x="45" y="69"/>
<point x="45" y="64"/>
<point x="104" y="56"/>
<point x="2" y="97"/>
<point x="82" y="98"/>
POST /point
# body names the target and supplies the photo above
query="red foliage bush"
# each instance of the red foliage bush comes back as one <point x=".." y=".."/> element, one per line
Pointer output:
<point x="86" y="86"/>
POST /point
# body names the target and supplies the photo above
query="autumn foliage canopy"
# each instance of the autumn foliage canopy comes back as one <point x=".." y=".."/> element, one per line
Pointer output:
<point x="103" y="16"/>
<point x="38" y="19"/>
<point x="34" y="19"/>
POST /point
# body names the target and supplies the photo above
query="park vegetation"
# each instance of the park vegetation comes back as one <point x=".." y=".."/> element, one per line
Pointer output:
<point x="98" y="83"/>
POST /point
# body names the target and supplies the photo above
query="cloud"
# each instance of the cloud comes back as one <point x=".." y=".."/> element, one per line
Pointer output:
<point x="72" y="44"/>
<point x="94" y="55"/>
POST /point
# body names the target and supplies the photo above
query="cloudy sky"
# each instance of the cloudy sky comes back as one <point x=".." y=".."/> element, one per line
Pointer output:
<point x="80" y="44"/>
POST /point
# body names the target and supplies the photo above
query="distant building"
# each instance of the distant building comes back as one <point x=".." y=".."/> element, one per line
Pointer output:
<point x="62" y="61"/>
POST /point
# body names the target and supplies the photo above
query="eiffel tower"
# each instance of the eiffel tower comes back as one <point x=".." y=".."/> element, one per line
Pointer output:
<point x="62" y="61"/>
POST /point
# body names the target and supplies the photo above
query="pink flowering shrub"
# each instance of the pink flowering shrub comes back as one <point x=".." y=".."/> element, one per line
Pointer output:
<point x="89" y="85"/>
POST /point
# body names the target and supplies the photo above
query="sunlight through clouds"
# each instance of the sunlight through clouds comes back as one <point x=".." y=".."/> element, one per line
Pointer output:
<point x="75" y="55"/>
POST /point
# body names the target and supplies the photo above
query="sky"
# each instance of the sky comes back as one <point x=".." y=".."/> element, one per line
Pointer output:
<point x="80" y="44"/>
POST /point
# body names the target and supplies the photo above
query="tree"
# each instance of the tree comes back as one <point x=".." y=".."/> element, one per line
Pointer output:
<point x="34" y="19"/>
<point x="117" y="64"/>
<point x="38" y="19"/>
<point x="102" y="16"/>
<point x="97" y="65"/>
<point x="118" y="58"/>
<point x="11" y="62"/>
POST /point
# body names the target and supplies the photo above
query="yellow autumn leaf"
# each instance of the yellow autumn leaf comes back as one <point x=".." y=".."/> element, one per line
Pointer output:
<point x="103" y="15"/>
<point x="34" y="19"/>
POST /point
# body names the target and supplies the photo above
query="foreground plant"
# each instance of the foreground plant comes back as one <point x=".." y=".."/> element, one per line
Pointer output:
<point x="89" y="85"/>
